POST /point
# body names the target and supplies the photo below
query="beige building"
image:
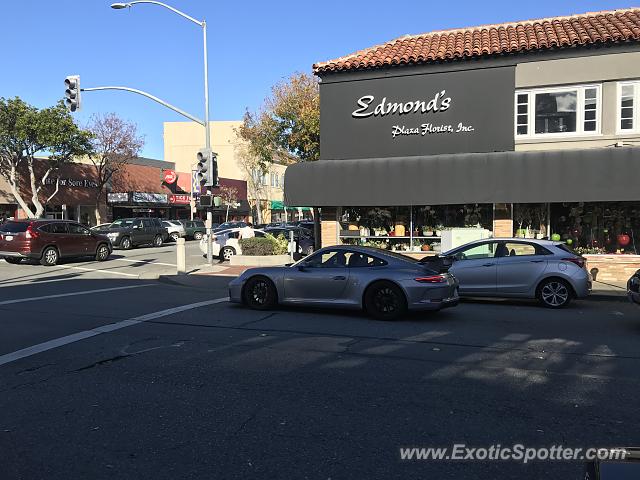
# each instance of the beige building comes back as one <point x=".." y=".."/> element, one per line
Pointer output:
<point x="182" y="140"/>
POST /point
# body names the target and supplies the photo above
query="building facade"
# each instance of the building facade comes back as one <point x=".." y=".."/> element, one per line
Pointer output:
<point x="523" y="129"/>
<point x="142" y="188"/>
<point x="182" y="140"/>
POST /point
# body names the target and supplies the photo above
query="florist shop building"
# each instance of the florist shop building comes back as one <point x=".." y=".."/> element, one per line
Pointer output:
<point x="524" y="129"/>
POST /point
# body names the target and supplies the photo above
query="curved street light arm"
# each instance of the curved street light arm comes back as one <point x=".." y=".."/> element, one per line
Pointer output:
<point x="152" y="97"/>
<point x="174" y="10"/>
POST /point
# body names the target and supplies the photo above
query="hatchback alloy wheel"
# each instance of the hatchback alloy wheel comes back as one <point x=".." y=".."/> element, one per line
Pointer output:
<point x="555" y="294"/>
<point x="175" y="237"/>
<point x="157" y="241"/>
<point x="197" y="236"/>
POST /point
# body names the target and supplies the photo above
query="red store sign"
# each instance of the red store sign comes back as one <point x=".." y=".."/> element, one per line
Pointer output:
<point x="170" y="176"/>
<point x="179" y="199"/>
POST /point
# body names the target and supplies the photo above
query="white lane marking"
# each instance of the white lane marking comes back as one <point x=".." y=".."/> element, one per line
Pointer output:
<point x="76" y="337"/>
<point x="99" y="271"/>
<point x="150" y="262"/>
<point x="72" y="294"/>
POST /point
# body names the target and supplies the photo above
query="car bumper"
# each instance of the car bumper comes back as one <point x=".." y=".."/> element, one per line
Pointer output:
<point x="634" y="297"/>
<point x="435" y="303"/>
<point x="235" y="291"/>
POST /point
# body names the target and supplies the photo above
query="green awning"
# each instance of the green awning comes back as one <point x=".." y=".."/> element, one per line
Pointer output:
<point x="279" y="205"/>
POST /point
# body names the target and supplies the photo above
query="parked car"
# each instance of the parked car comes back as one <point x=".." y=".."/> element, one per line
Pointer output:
<point x="174" y="228"/>
<point x="515" y="267"/>
<point x="228" y="225"/>
<point x="633" y="288"/>
<point x="103" y="227"/>
<point x="194" y="229"/>
<point x="382" y="283"/>
<point x="127" y="233"/>
<point x="302" y="237"/>
<point x="50" y="240"/>
<point x="226" y="243"/>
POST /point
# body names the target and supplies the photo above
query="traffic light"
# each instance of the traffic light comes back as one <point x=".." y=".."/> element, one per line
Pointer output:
<point x="207" y="168"/>
<point x="202" y="168"/>
<point x="72" y="92"/>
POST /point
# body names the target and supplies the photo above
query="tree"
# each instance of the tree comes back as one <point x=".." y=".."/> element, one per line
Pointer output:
<point x="26" y="131"/>
<point x="287" y="128"/>
<point x="115" y="143"/>
<point x="229" y="197"/>
<point x="252" y="170"/>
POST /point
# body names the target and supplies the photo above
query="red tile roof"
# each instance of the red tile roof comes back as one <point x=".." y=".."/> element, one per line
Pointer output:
<point x="607" y="27"/>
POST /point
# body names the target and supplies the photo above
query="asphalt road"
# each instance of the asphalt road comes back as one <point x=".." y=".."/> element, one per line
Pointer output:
<point x="188" y="390"/>
<point x="141" y="262"/>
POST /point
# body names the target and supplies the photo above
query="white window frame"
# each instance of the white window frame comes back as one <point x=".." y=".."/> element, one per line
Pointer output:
<point x="636" y="107"/>
<point x="580" y="131"/>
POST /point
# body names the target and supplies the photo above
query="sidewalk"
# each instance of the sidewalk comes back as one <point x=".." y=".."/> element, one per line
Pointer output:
<point x="609" y="291"/>
<point x="202" y="276"/>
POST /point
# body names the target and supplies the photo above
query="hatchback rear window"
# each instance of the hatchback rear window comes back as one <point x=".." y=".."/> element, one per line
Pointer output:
<point x="566" y="248"/>
<point x="14" y="227"/>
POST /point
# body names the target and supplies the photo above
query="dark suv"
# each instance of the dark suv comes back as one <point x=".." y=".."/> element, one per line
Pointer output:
<point x="194" y="228"/>
<point x="127" y="233"/>
<point x="50" y="240"/>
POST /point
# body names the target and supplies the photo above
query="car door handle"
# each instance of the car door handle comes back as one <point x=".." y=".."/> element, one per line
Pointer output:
<point x="339" y="277"/>
<point x="488" y="264"/>
<point x="536" y="261"/>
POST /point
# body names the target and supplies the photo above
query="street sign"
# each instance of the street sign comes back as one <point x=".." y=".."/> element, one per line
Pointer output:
<point x="195" y="183"/>
<point x="169" y="176"/>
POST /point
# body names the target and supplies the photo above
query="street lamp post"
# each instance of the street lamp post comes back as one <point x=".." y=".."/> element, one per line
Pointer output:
<point x="207" y="133"/>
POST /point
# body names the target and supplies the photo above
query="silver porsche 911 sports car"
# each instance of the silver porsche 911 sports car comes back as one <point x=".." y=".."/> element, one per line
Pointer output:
<point x="383" y="283"/>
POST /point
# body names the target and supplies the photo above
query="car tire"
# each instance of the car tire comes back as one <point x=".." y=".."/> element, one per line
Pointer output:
<point x="385" y="301"/>
<point x="13" y="260"/>
<point x="49" y="257"/>
<point x="197" y="236"/>
<point x="174" y="236"/>
<point x="226" y="253"/>
<point x="157" y="242"/>
<point x="554" y="293"/>
<point x="102" y="252"/>
<point x="259" y="293"/>
<point x="125" y="243"/>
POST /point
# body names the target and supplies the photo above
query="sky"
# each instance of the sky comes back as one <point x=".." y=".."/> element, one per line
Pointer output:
<point x="252" y="45"/>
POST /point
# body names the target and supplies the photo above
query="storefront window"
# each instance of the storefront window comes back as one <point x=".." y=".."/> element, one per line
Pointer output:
<point x="409" y="229"/>
<point x="597" y="227"/>
<point x="530" y="220"/>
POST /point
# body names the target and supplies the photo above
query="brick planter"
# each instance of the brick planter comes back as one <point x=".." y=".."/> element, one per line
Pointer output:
<point x="260" y="260"/>
<point x="612" y="268"/>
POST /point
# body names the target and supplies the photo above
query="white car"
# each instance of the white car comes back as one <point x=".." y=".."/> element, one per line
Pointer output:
<point x="225" y="243"/>
<point x="175" y="229"/>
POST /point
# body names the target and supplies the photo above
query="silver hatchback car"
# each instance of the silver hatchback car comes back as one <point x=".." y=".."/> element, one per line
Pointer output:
<point x="516" y="267"/>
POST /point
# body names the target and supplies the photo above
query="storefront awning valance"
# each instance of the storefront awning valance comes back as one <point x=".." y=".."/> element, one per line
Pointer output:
<point x="596" y="174"/>
<point x="279" y="205"/>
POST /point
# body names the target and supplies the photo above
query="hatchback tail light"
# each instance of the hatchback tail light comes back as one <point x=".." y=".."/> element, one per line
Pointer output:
<point x="579" y="261"/>
<point x="31" y="232"/>
<point x="432" y="279"/>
